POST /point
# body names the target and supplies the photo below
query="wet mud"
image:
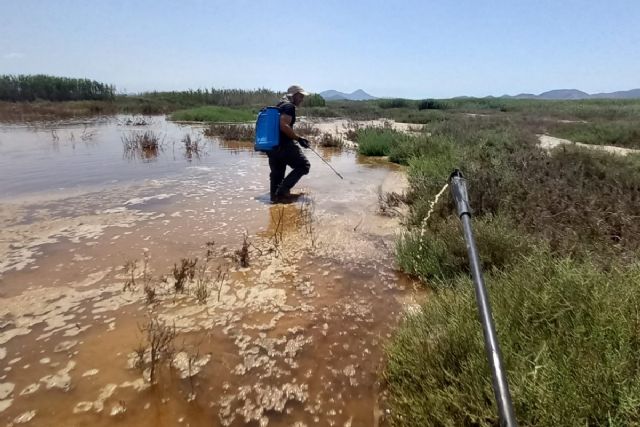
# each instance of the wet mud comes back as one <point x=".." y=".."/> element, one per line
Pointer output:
<point x="282" y="323"/>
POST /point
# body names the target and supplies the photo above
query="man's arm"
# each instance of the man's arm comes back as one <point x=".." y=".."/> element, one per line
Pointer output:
<point x="285" y="127"/>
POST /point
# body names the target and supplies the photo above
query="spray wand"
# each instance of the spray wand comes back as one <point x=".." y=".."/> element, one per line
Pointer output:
<point x="328" y="164"/>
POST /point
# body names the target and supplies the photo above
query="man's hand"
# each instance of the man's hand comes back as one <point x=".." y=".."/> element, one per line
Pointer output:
<point x="304" y="143"/>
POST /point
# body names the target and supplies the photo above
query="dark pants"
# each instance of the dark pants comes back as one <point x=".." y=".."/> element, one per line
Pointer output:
<point x="286" y="155"/>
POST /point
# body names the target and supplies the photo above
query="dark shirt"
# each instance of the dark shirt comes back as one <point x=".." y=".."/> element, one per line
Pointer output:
<point x="290" y="110"/>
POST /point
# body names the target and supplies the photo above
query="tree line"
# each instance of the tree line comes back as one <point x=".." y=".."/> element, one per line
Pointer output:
<point x="50" y="88"/>
<point x="227" y="97"/>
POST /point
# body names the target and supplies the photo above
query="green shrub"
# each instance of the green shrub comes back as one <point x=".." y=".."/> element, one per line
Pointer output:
<point x="405" y="115"/>
<point x="314" y="100"/>
<point x="583" y="202"/>
<point x="436" y="252"/>
<point x="214" y="114"/>
<point x="424" y="147"/>
<point x="569" y="336"/>
<point x="431" y="104"/>
<point x="376" y="141"/>
<point x="427" y="173"/>
<point x="395" y="103"/>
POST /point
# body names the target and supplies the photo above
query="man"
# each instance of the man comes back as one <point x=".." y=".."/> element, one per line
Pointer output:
<point x="288" y="153"/>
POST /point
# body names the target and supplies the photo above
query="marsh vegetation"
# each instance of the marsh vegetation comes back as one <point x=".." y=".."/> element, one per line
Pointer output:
<point x="558" y="237"/>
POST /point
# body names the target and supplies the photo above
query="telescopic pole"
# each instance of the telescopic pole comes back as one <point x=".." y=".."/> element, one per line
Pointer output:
<point x="500" y="386"/>
<point x="328" y="164"/>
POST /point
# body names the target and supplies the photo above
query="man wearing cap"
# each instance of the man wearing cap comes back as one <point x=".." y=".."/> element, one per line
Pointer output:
<point x="288" y="153"/>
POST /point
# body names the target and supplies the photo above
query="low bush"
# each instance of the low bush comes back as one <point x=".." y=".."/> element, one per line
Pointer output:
<point x="436" y="252"/>
<point x="569" y="335"/>
<point x="395" y="103"/>
<point x="431" y="104"/>
<point x="376" y="141"/>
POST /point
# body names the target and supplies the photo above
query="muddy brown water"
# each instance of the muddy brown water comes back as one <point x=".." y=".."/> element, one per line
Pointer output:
<point x="294" y="338"/>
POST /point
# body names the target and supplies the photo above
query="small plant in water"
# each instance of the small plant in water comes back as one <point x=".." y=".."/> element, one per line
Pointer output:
<point x="203" y="280"/>
<point x="160" y="344"/>
<point x="193" y="147"/>
<point x="277" y="219"/>
<point x="150" y="293"/>
<point x="242" y="255"/>
<point x="221" y="277"/>
<point x="135" y="121"/>
<point x="232" y="132"/>
<point x="330" y="140"/>
<point x="184" y="273"/>
<point x="87" y="134"/>
<point x="306" y="219"/>
<point x="145" y="145"/>
<point x="130" y="267"/>
<point x="388" y="203"/>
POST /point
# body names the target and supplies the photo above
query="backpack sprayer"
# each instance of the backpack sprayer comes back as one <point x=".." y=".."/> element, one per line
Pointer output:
<point x="268" y="133"/>
<point x="499" y="378"/>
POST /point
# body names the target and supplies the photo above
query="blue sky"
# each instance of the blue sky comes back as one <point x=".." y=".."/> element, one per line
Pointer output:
<point x="406" y="48"/>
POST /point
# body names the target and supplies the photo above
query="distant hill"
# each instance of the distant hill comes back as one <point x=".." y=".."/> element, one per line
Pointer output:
<point x="578" y="94"/>
<point x="358" y="95"/>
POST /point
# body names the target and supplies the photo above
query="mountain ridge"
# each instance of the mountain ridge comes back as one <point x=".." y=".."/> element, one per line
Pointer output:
<point x="555" y="94"/>
<point x="356" y="95"/>
<point x="568" y="94"/>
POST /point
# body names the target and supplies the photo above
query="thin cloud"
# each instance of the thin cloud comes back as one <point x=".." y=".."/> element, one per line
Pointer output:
<point x="13" y="55"/>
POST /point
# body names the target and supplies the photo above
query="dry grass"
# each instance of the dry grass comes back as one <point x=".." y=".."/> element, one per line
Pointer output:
<point x="231" y="132"/>
<point x="330" y="140"/>
<point x="389" y="203"/>
<point x="46" y="111"/>
<point x="306" y="129"/>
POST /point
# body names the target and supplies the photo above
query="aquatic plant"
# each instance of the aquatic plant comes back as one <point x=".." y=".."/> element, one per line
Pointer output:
<point x="193" y="147"/>
<point x="242" y="255"/>
<point x="145" y="141"/>
<point x="183" y="273"/>
<point x="330" y="140"/>
<point x="150" y="293"/>
<point x="202" y="289"/>
<point x="159" y="345"/>
<point x="232" y="132"/>
<point x="130" y="267"/>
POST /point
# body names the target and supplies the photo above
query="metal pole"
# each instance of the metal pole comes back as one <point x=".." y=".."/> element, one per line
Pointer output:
<point x="492" y="348"/>
<point x="328" y="164"/>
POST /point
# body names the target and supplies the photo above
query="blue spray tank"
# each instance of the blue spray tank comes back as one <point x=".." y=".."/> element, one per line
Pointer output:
<point x="267" y="129"/>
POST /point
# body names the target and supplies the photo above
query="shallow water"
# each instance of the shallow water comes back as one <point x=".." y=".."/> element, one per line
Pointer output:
<point x="295" y="338"/>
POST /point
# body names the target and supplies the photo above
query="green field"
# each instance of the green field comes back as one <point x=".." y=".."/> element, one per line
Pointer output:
<point x="214" y="114"/>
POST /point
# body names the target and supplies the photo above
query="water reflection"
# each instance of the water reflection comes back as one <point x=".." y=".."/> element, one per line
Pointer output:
<point x="234" y="146"/>
<point x="146" y="155"/>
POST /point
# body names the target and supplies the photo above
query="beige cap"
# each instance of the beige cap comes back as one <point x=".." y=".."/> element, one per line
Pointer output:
<point x="296" y="89"/>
